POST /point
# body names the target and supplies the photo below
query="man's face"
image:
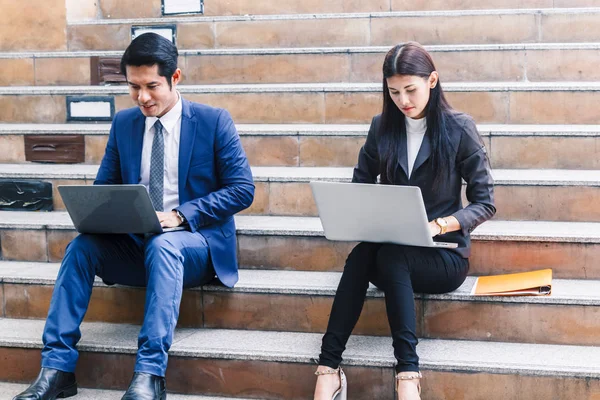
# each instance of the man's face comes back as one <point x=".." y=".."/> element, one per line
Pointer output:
<point x="150" y="91"/>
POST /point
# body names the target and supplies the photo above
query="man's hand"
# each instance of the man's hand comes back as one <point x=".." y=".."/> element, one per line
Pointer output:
<point x="434" y="229"/>
<point x="168" y="219"/>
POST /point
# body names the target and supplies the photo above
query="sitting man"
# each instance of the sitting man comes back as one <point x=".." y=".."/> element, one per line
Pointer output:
<point x="190" y="159"/>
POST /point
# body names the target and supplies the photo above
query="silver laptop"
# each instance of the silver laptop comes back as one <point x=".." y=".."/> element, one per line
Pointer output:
<point x="111" y="209"/>
<point x="374" y="213"/>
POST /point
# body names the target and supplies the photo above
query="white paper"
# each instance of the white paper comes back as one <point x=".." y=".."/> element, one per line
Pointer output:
<point x="90" y="109"/>
<point x="182" y="6"/>
<point x="167" y="33"/>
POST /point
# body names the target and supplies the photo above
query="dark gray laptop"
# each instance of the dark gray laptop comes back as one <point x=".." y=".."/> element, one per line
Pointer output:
<point x="111" y="209"/>
<point x="374" y="213"/>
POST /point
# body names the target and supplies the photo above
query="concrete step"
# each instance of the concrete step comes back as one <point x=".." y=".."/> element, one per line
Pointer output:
<point x="457" y="63"/>
<point x="279" y="365"/>
<point x="350" y="29"/>
<point x="297" y="243"/>
<point x="300" y="301"/>
<point x="128" y="8"/>
<point x="333" y="145"/>
<point x="12" y="389"/>
<point x="487" y="102"/>
<point x="551" y="195"/>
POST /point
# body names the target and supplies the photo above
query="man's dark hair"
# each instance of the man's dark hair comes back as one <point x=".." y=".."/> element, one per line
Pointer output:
<point x="151" y="49"/>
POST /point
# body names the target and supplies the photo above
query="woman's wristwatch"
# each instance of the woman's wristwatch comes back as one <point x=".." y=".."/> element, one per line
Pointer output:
<point x="441" y="222"/>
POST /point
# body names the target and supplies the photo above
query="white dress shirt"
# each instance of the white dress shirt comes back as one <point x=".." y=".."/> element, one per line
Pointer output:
<point x="171" y="123"/>
<point x="415" y="132"/>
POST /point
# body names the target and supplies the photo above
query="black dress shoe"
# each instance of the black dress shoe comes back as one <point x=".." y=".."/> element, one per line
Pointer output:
<point x="50" y="384"/>
<point x="146" y="387"/>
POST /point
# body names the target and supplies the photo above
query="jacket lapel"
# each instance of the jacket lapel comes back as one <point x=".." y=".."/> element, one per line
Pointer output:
<point x="186" y="143"/>
<point x="423" y="154"/>
<point x="402" y="154"/>
<point x="137" y="142"/>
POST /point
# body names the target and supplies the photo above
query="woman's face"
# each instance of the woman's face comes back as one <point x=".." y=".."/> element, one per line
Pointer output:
<point x="410" y="93"/>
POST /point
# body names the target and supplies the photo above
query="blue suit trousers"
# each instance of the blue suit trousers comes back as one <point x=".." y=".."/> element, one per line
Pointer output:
<point x="164" y="264"/>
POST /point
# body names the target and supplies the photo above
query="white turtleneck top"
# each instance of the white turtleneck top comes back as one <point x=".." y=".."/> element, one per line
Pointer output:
<point x="415" y="132"/>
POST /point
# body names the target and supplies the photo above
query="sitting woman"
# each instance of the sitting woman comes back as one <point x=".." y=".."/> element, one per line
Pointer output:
<point x="418" y="140"/>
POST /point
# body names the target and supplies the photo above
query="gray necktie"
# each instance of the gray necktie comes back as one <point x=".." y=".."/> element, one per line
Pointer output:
<point x="157" y="166"/>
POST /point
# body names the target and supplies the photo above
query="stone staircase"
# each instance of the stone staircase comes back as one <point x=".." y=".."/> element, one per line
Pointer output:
<point x="302" y="89"/>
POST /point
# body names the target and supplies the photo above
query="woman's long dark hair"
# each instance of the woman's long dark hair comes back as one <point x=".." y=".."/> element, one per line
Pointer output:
<point x="412" y="59"/>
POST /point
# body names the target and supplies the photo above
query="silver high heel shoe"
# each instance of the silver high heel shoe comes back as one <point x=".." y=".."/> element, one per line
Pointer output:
<point x="342" y="392"/>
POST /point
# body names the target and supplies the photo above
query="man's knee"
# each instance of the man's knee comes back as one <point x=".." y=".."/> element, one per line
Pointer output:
<point x="160" y="246"/>
<point x="82" y="249"/>
<point x="81" y="244"/>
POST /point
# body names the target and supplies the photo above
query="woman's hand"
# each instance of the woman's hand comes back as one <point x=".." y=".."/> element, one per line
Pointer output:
<point x="434" y="229"/>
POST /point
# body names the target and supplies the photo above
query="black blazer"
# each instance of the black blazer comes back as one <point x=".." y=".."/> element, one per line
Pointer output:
<point x="471" y="164"/>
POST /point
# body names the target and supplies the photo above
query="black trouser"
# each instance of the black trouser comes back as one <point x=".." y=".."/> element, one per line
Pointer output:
<point x="399" y="271"/>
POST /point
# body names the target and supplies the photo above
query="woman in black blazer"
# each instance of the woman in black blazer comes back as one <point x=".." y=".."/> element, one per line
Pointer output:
<point x="418" y="140"/>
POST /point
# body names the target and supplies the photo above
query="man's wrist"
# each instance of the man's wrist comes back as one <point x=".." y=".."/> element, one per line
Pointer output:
<point x="181" y="217"/>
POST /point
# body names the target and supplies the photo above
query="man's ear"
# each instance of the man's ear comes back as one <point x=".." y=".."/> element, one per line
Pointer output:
<point x="176" y="78"/>
<point x="433" y="79"/>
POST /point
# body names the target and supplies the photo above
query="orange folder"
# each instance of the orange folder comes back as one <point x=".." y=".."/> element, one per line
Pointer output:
<point x="534" y="283"/>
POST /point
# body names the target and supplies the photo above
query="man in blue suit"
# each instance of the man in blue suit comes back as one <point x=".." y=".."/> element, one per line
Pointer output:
<point x="190" y="158"/>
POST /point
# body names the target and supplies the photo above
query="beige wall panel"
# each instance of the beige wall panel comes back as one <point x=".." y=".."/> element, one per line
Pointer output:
<point x="33" y="25"/>
<point x="82" y="10"/>
<point x="243" y="7"/>
<point x="468" y="66"/>
<point x="352" y="108"/>
<point x="561" y="28"/>
<point x="545" y="152"/>
<point x="523" y="323"/>
<point x="263" y="108"/>
<point x="293" y="33"/>
<point x="57" y="243"/>
<point x="454" y="29"/>
<point x="62" y="71"/>
<point x="470" y="386"/>
<point x="567" y="260"/>
<point x="196" y="35"/>
<point x="118" y="9"/>
<point x="547" y="203"/>
<point x="553" y="108"/>
<point x="260" y="204"/>
<point x="13" y="149"/>
<point x="291" y="199"/>
<point x="295" y="253"/>
<point x="23" y="245"/>
<point x="37" y="109"/>
<point x="320" y="151"/>
<point x="271" y="151"/>
<point x="98" y="37"/>
<point x="94" y="148"/>
<point x="17" y="72"/>
<point x="563" y="65"/>
<point x="422" y="5"/>
<point x="292" y="68"/>
<point x="484" y="107"/>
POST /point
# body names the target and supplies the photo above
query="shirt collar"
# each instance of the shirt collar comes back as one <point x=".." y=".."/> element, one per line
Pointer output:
<point x="416" y="125"/>
<point x="168" y="120"/>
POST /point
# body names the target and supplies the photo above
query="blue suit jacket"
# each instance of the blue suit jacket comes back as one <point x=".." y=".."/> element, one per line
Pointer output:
<point x="215" y="180"/>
